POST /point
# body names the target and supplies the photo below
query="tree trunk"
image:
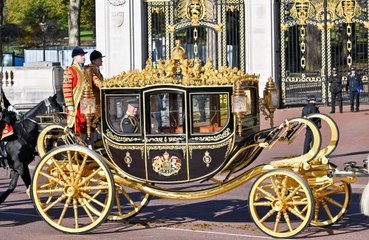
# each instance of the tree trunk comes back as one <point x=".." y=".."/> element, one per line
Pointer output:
<point x="73" y="22"/>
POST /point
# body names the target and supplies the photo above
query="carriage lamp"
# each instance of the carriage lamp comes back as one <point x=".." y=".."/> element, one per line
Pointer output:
<point x="88" y="107"/>
<point x="270" y="102"/>
<point x="239" y="104"/>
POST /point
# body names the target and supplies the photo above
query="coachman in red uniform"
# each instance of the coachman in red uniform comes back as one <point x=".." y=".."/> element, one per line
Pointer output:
<point x="96" y="78"/>
<point x="75" y="78"/>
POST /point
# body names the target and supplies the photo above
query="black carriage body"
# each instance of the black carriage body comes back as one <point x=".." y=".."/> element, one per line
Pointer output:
<point x="184" y="133"/>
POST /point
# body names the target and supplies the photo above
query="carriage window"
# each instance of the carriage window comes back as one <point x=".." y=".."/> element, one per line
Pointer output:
<point x="166" y="113"/>
<point x="124" y="114"/>
<point x="209" y="112"/>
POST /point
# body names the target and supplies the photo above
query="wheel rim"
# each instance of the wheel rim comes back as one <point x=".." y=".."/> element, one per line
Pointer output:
<point x="72" y="189"/>
<point x="128" y="203"/>
<point x="281" y="203"/>
<point x="331" y="203"/>
<point x="49" y="138"/>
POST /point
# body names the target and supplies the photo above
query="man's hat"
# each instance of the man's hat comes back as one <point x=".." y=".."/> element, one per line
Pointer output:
<point x="311" y="98"/>
<point x="334" y="69"/>
<point x="78" y="51"/>
<point x="133" y="103"/>
<point x="95" y="55"/>
<point x="353" y="68"/>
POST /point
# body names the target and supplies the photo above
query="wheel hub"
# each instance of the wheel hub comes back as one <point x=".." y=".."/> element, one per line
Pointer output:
<point x="70" y="191"/>
<point x="277" y="205"/>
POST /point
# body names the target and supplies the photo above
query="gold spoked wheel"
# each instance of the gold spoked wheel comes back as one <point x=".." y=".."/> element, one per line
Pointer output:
<point x="128" y="203"/>
<point x="72" y="189"/>
<point x="331" y="203"/>
<point x="50" y="137"/>
<point x="281" y="203"/>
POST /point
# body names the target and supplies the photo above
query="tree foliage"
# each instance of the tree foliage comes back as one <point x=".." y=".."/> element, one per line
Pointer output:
<point x="22" y="19"/>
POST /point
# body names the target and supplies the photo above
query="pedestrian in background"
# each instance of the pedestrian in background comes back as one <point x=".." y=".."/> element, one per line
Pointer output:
<point x="354" y="85"/>
<point x="336" y="90"/>
<point x="308" y="109"/>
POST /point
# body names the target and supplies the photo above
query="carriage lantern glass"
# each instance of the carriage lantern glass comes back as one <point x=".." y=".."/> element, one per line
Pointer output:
<point x="270" y="102"/>
<point x="88" y="107"/>
<point x="239" y="104"/>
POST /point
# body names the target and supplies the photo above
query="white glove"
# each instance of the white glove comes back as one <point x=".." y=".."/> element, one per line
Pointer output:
<point x="70" y="108"/>
<point x="11" y="108"/>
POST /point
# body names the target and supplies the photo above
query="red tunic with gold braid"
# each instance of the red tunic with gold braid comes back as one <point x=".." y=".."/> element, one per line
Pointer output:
<point x="75" y="78"/>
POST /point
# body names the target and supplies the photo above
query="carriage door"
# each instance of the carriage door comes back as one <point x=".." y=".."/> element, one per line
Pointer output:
<point x="165" y="136"/>
<point x="315" y="36"/>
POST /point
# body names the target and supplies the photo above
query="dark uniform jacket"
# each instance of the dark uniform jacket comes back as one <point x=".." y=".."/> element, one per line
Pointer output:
<point x="309" y="109"/>
<point x="336" y="83"/>
<point x="130" y="124"/>
<point x="354" y="82"/>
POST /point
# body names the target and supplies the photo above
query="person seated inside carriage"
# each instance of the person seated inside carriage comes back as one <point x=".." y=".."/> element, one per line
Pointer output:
<point x="130" y="122"/>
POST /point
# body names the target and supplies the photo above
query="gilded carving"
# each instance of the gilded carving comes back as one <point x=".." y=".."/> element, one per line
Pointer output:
<point x="128" y="159"/>
<point x="166" y="165"/>
<point x="192" y="73"/>
<point x="207" y="158"/>
<point x="348" y="9"/>
<point x="112" y="136"/>
<point x="178" y="52"/>
<point x="228" y="143"/>
<point x="302" y="9"/>
<point x="195" y="10"/>
<point x="215" y="138"/>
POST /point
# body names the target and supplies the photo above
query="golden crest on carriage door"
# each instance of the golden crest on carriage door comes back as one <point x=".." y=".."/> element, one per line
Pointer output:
<point x="166" y="165"/>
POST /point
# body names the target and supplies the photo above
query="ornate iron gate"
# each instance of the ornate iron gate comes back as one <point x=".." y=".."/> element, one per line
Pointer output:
<point x="317" y="35"/>
<point x="206" y="29"/>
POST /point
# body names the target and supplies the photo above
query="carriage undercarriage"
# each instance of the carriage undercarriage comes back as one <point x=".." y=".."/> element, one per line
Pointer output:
<point x="75" y="189"/>
<point x="190" y="125"/>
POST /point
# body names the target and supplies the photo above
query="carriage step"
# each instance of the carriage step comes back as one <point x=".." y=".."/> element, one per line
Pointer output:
<point x="365" y="161"/>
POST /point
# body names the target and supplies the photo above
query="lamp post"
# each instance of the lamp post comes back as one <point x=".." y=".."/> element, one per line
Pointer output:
<point x="43" y="26"/>
<point x="270" y="102"/>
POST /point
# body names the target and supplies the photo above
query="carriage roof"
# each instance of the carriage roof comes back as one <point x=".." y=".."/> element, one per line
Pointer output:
<point x="184" y="72"/>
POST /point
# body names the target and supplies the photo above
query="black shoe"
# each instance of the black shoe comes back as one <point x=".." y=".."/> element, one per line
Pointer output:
<point x="356" y="110"/>
<point x="332" y="112"/>
<point x="352" y="110"/>
<point x="340" y="111"/>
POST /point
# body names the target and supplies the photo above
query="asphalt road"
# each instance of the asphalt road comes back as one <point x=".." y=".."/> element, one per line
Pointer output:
<point x="223" y="217"/>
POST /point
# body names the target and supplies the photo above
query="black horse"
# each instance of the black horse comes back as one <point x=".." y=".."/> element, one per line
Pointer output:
<point x="18" y="150"/>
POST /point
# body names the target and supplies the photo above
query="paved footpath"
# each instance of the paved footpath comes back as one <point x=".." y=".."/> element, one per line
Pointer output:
<point x="223" y="217"/>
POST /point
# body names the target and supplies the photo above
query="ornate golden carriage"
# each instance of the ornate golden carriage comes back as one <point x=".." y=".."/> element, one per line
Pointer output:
<point x="192" y="123"/>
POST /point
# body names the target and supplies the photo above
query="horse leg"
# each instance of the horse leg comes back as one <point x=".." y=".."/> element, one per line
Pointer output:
<point x="26" y="177"/>
<point x="14" y="175"/>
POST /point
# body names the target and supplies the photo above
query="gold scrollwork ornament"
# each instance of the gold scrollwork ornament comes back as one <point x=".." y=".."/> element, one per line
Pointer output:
<point x="128" y="159"/>
<point x="207" y="159"/>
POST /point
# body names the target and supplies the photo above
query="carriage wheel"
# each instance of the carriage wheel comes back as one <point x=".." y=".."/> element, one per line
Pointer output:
<point x="128" y="203"/>
<point x="331" y="203"/>
<point x="281" y="203"/>
<point x="49" y="138"/>
<point x="72" y="189"/>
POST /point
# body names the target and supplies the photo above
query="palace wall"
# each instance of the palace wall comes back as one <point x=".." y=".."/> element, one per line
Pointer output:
<point x="120" y="36"/>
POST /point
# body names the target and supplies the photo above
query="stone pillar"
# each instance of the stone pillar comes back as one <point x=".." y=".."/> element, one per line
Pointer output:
<point x="119" y="35"/>
<point x="259" y="21"/>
